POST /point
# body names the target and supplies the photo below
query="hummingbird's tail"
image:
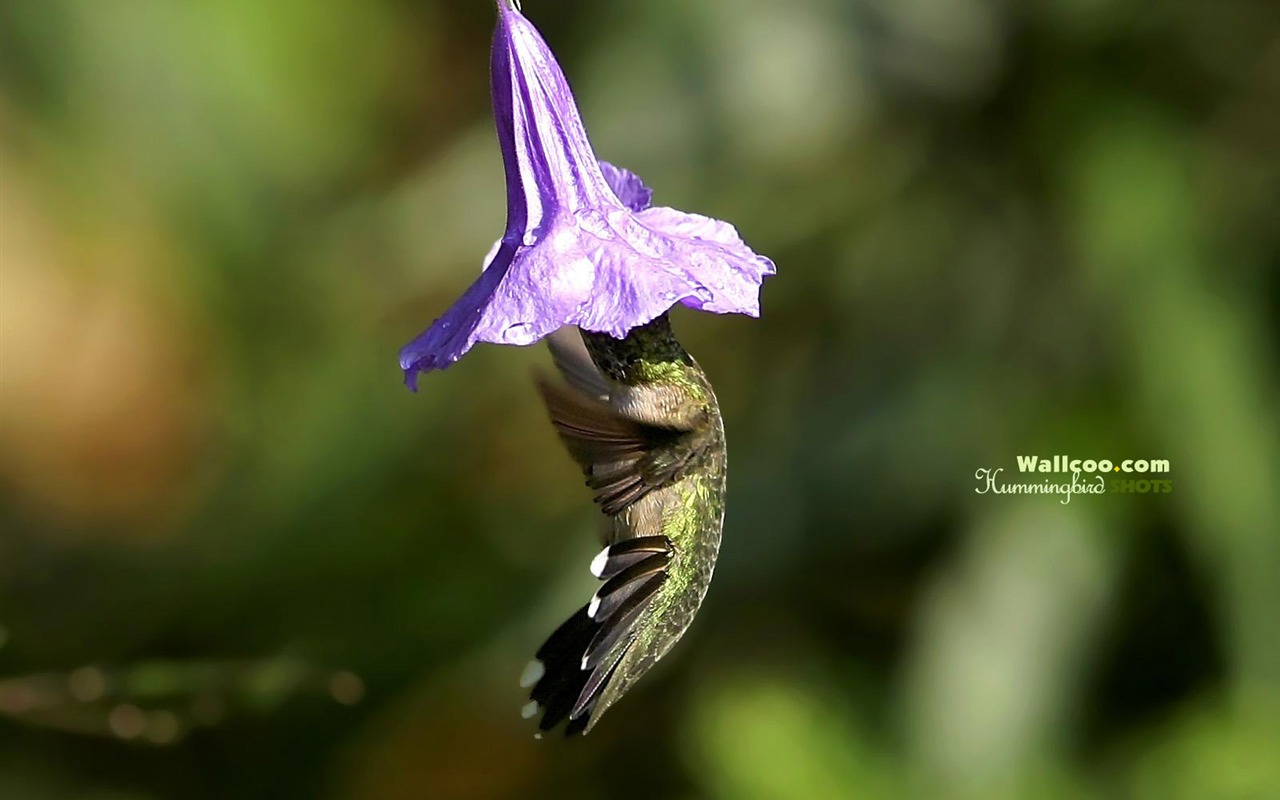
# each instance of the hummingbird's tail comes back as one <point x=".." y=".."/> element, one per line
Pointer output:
<point x="556" y="675"/>
<point x="576" y="663"/>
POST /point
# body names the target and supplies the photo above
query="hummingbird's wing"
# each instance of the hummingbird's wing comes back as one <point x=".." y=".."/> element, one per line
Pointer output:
<point x="622" y="458"/>
<point x="572" y="360"/>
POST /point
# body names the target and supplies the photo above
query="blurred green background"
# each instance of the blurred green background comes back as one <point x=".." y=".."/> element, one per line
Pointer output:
<point x="239" y="560"/>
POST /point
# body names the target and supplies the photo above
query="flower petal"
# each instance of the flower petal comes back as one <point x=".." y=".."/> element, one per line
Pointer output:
<point x="454" y="332"/>
<point x="582" y="246"/>
<point x="631" y="191"/>
<point x="549" y="163"/>
<point x="627" y="186"/>
<point x="713" y="254"/>
<point x="608" y="273"/>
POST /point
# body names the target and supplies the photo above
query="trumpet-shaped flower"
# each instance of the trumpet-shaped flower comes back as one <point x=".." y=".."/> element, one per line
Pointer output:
<point x="582" y="245"/>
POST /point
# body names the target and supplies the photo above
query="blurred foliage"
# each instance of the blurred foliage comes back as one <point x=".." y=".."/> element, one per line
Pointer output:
<point x="1000" y="228"/>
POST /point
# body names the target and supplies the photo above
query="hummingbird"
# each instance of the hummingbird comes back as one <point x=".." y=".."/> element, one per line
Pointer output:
<point x="640" y="418"/>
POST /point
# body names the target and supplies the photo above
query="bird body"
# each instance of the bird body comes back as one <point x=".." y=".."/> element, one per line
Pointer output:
<point x="639" y="416"/>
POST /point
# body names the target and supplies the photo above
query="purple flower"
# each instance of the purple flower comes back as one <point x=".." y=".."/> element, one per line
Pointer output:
<point x="582" y="245"/>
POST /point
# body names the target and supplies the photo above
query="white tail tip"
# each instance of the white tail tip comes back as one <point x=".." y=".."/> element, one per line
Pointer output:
<point x="533" y="672"/>
<point x="598" y="563"/>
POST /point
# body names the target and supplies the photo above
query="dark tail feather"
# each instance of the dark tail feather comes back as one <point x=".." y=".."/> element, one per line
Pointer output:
<point x="576" y="663"/>
<point x="559" y="675"/>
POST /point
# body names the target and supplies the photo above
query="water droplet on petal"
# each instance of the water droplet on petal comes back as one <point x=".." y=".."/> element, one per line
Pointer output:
<point x="519" y="333"/>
